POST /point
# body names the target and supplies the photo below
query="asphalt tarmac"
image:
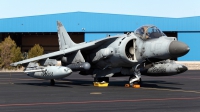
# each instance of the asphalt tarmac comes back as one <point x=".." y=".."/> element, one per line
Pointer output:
<point x="76" y="93"/>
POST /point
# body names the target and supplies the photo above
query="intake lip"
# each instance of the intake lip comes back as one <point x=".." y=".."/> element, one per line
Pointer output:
<point x="178" y="49"/>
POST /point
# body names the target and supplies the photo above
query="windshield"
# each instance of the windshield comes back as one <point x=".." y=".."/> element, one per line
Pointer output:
<point x="149" y="32"/>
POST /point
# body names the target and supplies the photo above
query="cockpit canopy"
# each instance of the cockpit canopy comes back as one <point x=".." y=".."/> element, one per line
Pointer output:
<point x="148" y="32"/>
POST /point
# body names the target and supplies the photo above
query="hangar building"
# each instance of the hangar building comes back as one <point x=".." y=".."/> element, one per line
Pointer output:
<point x="84" y="26"/>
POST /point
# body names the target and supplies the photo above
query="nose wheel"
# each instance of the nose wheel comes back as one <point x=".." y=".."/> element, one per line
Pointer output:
<point x="135" y="80"/>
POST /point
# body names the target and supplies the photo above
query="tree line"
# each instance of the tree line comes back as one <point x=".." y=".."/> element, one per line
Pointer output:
<point x="10" y="53"/>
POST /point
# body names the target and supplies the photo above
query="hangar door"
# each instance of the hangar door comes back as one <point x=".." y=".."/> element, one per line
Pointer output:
<point x="171" y="34"/>
<point x="49" y="41"/>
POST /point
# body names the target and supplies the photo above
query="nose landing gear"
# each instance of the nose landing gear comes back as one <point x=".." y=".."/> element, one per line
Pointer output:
<point x="135" y="79"/>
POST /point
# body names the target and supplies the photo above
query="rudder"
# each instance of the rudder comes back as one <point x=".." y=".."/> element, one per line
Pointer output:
<point x="64" y="39"/>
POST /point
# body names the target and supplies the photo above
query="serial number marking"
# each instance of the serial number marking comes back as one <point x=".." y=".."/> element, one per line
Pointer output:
<point x="46" y="73"/>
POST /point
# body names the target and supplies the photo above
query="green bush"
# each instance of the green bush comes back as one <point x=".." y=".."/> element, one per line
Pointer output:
<point x="36" y="50"/>
<point x="9" y="53"/>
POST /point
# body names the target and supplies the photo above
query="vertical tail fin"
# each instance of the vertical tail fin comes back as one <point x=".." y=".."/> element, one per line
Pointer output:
<point x="63" y="37"/>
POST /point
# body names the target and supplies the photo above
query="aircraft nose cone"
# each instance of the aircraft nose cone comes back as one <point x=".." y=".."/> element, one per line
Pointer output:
<point x="177" y="49"/>
<point x="182" y="69"/>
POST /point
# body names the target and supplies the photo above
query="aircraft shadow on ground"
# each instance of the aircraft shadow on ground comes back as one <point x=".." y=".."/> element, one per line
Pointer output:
<point x="44" y="84"/>
<point x="160" y="84"/>
<point x="59" y="83"/>
<point x="86" y="83"/>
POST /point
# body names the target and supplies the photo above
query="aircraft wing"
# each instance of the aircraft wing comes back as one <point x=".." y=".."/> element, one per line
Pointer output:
<point x="63" y="52"/>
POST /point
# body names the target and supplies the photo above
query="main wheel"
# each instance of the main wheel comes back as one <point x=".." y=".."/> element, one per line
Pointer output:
<point x="52" y="82"/>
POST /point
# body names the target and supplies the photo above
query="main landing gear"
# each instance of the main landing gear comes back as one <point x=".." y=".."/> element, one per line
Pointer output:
<point x="133" y="82"/>
<point x="52" y="82"/>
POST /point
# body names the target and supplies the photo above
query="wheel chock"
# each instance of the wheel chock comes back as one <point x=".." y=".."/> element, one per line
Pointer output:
<point x="99" y="84"/>
<point x="127" y="85"/>
<point x="136" y="86"/>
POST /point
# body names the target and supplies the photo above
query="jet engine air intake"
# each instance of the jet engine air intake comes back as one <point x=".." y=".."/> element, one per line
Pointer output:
<point x="129" y="49"/>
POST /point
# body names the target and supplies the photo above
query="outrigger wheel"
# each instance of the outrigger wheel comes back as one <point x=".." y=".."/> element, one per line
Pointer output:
<point x="52" y="82"/>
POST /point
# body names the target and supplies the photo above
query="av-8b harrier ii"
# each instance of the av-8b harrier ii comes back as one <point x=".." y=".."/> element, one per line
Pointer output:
<point x="146" y="51"/>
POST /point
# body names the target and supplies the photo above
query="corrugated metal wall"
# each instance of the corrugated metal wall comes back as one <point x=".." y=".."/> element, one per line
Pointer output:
<point x="95" y="22"/>
<point x="95" y="36"/>
<point x="193" y="40"/>
<point x="96" y="25"/>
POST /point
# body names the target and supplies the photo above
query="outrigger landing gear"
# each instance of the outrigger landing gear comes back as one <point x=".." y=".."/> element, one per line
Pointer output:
<point x="52" y="82"/>
<point x="135" y="80"/>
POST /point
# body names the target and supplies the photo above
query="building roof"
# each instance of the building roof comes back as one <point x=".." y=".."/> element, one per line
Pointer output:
<point x="96" y="22"/>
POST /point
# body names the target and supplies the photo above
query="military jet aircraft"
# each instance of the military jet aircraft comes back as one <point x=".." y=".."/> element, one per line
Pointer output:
<point x="146" y="51"/>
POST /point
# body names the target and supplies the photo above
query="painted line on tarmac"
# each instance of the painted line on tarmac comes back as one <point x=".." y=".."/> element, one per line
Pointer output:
<point x="95" y="93"/>
<point x="185" y="91"/>
<point x="97" y="101"/>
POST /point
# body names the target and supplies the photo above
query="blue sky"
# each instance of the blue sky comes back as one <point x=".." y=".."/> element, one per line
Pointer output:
<point x="158" y="8"/>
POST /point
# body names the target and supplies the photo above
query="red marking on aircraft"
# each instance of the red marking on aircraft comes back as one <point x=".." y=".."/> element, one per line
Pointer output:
<point x="97" y="101"/>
